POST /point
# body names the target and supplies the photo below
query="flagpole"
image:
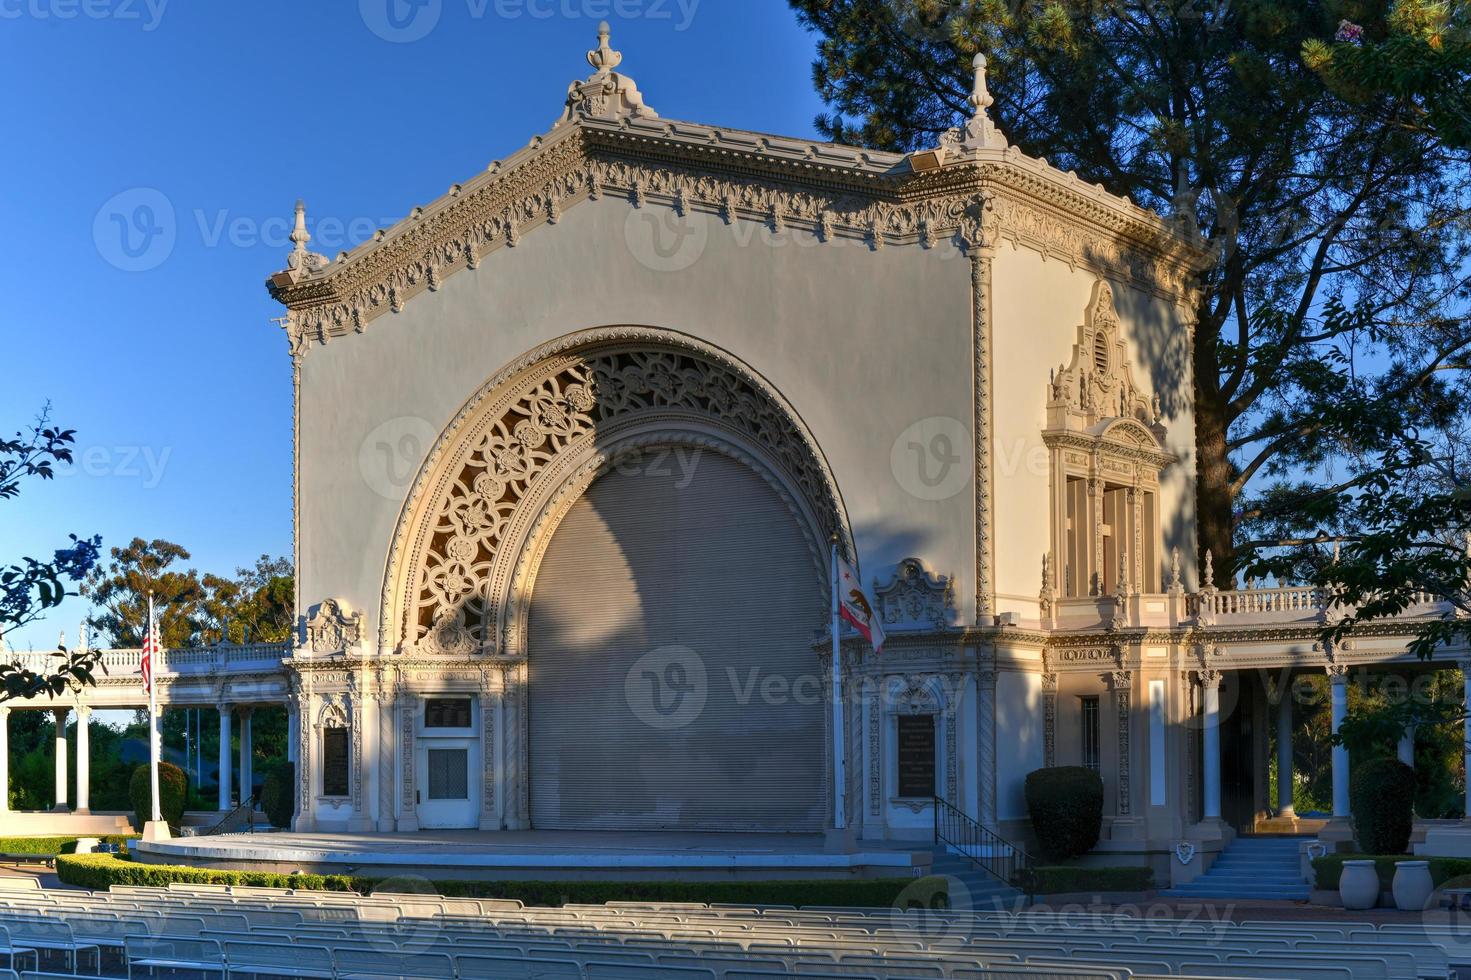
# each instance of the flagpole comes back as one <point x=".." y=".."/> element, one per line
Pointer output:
<point x="840" y="776"/>
<point x="153" y="746"/>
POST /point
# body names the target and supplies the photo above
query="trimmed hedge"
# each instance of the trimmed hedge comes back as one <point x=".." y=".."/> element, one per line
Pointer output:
<point x="173" y="791"/>
<point x="54" y="845"/>
<point x="1382" y="797"/>
<point x="1057" y="879"/>
<point x="1442" y="870"/>
<point x="100" y="871"/>
<point x="1066" y="807"/>
<point x="278" y="794"/>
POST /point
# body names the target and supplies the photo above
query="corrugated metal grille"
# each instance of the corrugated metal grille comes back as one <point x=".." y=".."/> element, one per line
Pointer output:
<point x="449" y="774"/>
<point x="672" y="679"/>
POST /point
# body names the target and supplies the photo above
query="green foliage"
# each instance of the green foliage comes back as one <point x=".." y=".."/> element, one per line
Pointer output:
<point x="101" y="871"/>
<point x="173" y="790"/>
<point x="1329" y="867"/>
<point x="1382" y="792"/>
<point x="54" y="845"/>
<point x="1070" y="878"/>
<point x="1066" y="806"/>
<point x="278" y="794"/>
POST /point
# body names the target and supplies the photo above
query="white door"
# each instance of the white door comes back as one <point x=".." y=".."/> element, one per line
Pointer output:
<point x="446" y="795"/>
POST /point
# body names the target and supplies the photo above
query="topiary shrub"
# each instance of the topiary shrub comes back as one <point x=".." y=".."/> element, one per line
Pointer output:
<point x="1382" y="798"/>
<point x="277" y="794"/>
<point x="173" y="790"/>
<point x="1066" y="806"/>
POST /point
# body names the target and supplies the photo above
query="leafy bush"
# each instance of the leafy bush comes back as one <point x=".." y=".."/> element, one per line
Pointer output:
<point x="1382" y="795"/>
<point x="1058" y="879"/>
<point x="278" y="794"/>
<point x="1066" y="806"/>
<point x="173" y="790"/>
<point x="53" y="845"/>
<point x="101" y="871"/>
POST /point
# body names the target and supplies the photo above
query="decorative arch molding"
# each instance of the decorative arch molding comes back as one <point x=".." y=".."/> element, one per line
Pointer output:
<point x="525" y="446"/>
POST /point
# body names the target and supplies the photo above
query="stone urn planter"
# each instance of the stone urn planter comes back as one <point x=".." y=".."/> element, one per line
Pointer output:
<point x="1358" y="885"/>
<point x="1412" y="885"/>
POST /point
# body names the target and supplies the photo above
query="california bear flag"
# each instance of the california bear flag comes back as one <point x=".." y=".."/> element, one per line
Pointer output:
<point x="853" y="605"/>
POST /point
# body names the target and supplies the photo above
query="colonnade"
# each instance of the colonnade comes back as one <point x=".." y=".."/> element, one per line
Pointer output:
<point x="82" y="804"/>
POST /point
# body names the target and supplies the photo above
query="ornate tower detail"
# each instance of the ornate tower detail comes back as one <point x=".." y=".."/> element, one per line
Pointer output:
<point x="605" y="94"/>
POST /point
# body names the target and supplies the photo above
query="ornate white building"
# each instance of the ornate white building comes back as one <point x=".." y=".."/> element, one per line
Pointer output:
<point x="572" y="440"/>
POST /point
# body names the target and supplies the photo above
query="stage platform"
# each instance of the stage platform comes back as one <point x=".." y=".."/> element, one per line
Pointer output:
<point x="546" y="855"/>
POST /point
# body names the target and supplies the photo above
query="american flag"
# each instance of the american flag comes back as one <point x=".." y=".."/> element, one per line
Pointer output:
<point x="151" y="646"/>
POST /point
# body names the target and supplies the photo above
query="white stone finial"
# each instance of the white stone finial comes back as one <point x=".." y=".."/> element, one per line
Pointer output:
<point x="604" y="58"/>
<point x="1177" y="583"/>
<point x="978" y="133"/>
<point x="302" y="262"/>
<point x="606" y="94"/>
<point x="980" y="97"/>
<point x="61" y="640"/>
<point x="1210" y="570"/>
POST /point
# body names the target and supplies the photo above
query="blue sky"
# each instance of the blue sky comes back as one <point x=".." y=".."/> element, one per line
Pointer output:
<point x="155" y="151"/>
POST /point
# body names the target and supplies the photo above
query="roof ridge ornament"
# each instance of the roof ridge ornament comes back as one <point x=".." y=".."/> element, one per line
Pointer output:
<point x="979" y="132"/>
<point x="301" y="262"/>
<point x="605" y="94"/>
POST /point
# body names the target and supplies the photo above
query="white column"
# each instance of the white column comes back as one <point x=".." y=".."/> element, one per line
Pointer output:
<point x="225" y="757"/>
<point x="60" y="715"/>
<point x="1406" y="746"/>
<point x="4" y="759"/>
<point x="1338" y="683"/>
<point x="1210" y="682"/>
<point x="247" y="783"/>
<point x="84" y="759"/>
<point x="1284" y="754"/>
<point x="986" y="747"/>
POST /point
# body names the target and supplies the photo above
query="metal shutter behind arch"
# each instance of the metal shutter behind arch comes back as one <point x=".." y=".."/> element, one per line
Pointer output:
<point x="657" y="555"/>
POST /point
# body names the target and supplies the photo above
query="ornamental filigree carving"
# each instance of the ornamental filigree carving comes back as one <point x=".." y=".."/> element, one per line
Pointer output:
<point x="334" y="627"/>
<point x="916" y="599"/>
<point x="546" y="416"/>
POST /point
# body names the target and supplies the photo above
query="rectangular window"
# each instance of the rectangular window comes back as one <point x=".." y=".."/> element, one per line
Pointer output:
<point x="449" y="774"/>
<point x="447" y="713"/>
<point x="916" y="742"/>
<point x="1091" y="740"/>
<point x="335" y="764"/>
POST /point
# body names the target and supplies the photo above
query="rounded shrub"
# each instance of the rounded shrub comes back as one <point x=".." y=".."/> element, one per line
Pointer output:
<point x="1382" y="797"/>
<point x="277" y="795"/>
<point x="1066" y="806"/>
<point x="173" y="790"/>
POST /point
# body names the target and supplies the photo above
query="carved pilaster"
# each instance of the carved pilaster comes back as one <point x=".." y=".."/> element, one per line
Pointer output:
<point x="1122" y="686"/>
<point x="489" y="703"/>
<point x="986" y="743"/>
<point x="875" y="752"/>
<point x="981" y="261"/>
<point x="1049" y="719"/>
<point x="383" y="704"/>
<point x="406" y="705"/>
<point x="952" y="715"/>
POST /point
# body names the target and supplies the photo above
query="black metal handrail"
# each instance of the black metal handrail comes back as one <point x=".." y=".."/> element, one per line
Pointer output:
<point x="242" y="816"/>
<point x="987" y="850"/>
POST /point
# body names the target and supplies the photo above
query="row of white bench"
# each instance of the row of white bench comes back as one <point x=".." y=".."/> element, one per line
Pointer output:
<point x="213" y="931"/>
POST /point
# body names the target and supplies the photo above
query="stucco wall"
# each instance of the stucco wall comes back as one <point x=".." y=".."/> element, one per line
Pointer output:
<point x="864" y="344"/>
<point x="1018" y="739"/>
<point x="1037" y="306"/>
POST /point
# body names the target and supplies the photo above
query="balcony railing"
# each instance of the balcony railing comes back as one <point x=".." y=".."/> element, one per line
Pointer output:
<point x="184" y="661"/>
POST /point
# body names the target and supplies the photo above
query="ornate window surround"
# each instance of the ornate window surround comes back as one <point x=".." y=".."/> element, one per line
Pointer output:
<point x="1102" y="433"/>
<point x="777" y="445"/>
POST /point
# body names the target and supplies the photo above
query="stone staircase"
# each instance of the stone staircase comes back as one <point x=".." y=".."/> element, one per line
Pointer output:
<point x="1251" y="868"/>
<point x="986" y="892"/>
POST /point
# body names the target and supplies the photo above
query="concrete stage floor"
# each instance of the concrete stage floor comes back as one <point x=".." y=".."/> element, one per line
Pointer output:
<point x="545" y="855"/>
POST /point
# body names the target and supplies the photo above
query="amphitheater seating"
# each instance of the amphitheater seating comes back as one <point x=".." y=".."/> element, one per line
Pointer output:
<point x="193" y="931"/>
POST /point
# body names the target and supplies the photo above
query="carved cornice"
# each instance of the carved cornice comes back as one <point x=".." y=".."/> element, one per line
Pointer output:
<point x="835" y="192"/>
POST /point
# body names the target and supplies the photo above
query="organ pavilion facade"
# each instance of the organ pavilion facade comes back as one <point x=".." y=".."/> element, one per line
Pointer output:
<point x="572" y="441"/>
